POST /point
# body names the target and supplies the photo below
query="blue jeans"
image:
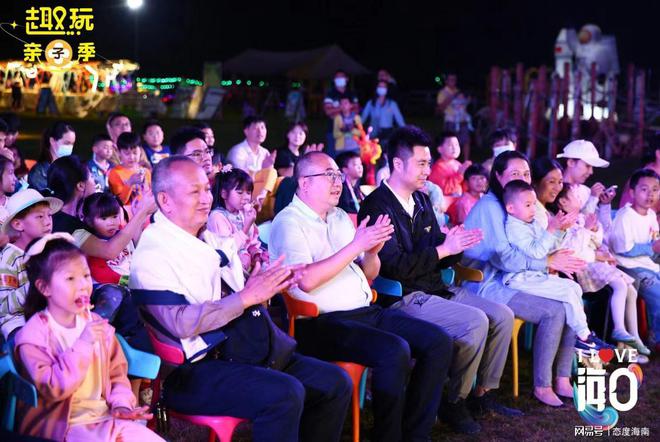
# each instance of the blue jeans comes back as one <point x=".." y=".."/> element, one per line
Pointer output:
<point x="649" y="289"/>
<point x="306" y="401"/>
<point x="386" y="341"/>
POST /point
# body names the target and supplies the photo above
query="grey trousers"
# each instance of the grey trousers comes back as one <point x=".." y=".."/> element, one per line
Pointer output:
<point x="481" y="330"/>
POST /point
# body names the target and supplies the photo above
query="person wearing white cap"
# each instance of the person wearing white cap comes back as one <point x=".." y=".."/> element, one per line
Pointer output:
<point x="29" y="216"/>
<point x="580" y="157"/>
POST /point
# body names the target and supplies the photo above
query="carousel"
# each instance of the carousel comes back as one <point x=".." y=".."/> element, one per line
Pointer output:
<point x="76" y="89"/>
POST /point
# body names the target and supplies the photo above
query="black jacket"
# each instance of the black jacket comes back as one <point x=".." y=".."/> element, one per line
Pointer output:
<point x="410" y="255"/>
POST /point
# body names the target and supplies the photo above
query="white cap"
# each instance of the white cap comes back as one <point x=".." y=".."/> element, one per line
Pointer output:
<point x="23" y="199"/>
<point x="583" y="150"/>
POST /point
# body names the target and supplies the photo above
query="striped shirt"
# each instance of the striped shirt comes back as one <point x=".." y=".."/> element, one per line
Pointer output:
<point x="13" y="288"/>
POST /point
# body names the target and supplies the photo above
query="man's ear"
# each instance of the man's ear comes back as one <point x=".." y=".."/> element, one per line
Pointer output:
<point x="163" y="201"/>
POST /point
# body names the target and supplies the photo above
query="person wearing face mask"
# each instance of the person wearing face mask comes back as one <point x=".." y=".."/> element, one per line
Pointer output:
<point x="337" y="91"/>
<point x="382" y="111"/>
<point x="501" y="140"/>
<point x="56" y="142"/>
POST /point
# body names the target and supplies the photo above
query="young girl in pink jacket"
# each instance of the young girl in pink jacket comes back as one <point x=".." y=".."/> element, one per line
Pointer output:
<point x="71" y="355"/>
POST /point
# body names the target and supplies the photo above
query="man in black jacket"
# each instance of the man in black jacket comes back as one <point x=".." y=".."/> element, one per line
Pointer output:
<point x="415" y="255"/>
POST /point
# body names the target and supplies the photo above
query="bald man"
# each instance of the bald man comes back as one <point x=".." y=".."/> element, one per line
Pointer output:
<point x="340" y="261"/>
<point x="240" y="364"/>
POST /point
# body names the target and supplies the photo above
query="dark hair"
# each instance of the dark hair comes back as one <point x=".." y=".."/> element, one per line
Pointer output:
<point x="343" y="158"/>
<point x="402" y="141"/>
<point x="4" y="127"/>
<point x="228" y="181"/>
<point x="542" y="166"/>
<point x="515" y="188"/>
<point x="113" y="116"/>
<point x="99" y="205"/>
<point x="41" y="267"/>
<point x="56" y="131"/>
<point x="128" y="140"/>
<point x="300" y="124"/>
<point x="642" y="173"/>
<point x="340" y="71"/>
<point x="147" y="124"/>
<point x="553" y="207"/>
<point x="3" y="163"/>
<point x="201" y="125"/>
<point x="497" y="135"/>
<point x="252" y="119"/>
<point x="100" y="137"/>
<point x="63" y="176"/>
<point x="12" y="121"/>
<point x="500" y="164"/>
<point x="442" y="136"/>
<point x="183" y="136"/>
<point x="475" y="169"/>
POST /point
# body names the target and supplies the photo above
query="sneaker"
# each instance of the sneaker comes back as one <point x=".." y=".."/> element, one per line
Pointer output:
<point x="591" y="343"/>
<point x="458" y="417"/>
<point x="480" y="406"/>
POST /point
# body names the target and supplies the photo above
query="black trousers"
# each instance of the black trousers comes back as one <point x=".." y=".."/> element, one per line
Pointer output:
<point x="305" y="401"/>
<point x="386" y="341"/>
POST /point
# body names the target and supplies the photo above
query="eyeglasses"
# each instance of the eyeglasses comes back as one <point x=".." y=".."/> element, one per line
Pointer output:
<point x="198" y="154"/>
<point x="333" y="176"/>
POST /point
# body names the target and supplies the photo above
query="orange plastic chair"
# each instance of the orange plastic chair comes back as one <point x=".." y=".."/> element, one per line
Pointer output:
<point x="222" y="427"/>
<point x="297" y="308"/>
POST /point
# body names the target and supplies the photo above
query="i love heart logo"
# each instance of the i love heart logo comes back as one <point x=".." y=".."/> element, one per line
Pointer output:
<point x="606" y="354"/>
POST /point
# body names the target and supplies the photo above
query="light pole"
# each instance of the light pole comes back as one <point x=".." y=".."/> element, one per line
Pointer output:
<point x="135" y="5"/>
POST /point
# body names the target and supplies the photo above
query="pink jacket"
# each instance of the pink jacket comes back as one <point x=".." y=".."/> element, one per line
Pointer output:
<point x="57" y="374"/>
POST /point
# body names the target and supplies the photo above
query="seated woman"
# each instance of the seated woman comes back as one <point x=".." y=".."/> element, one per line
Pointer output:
<point x="495" y="256"/>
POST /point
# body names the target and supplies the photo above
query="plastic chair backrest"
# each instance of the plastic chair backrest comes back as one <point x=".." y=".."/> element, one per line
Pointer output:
<point x="390" y="287"/>
<point x="140" y="364"/>
<point x="14" y="388"/>
<point x="296" y="308"/>
<point x="168" y="353"/>
<point x="264" y="231"/>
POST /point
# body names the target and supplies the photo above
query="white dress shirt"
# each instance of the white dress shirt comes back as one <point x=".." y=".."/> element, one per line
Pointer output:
<point x="169" y="258"/>
<point x="304" y="237"/>
<point x="243" y="157"/>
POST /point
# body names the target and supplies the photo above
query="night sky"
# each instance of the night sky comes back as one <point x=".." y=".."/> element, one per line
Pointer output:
<point x="414" y="40"/>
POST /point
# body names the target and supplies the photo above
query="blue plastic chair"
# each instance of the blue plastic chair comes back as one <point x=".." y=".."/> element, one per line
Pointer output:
<point x="14" y="388"/>
<point x="140" y="364"/>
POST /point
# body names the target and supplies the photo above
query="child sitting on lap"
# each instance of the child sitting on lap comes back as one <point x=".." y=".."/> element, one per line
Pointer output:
<point x="585" y="238"/>
<point x="524" y="233"/>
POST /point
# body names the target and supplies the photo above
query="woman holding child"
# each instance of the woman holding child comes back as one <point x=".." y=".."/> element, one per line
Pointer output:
<point x="495" y="256"/>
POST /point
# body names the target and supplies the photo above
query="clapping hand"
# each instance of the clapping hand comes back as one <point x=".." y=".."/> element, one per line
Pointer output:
<point x="459" y="239"/>
<point x="371" y="239"/>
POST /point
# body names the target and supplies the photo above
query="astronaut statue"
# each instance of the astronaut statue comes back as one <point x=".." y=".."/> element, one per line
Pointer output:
<point x="580" y="51"/>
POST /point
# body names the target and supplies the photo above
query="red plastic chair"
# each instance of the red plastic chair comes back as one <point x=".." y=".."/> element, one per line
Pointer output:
<point x="221" y="427"/>
<point x="297" y="308"/>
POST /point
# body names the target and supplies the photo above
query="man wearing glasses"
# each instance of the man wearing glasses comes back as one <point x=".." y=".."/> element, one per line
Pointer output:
<point x="340" y="261"/>
<point x="189" y="141"/>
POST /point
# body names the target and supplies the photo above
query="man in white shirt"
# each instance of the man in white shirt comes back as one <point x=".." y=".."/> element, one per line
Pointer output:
<point x="250" y="155"/>
<point x="251" y="372"/>
<point x="340" y="261"/>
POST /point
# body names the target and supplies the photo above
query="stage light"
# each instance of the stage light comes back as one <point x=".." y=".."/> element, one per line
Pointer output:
<point x="134" y="4"/>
